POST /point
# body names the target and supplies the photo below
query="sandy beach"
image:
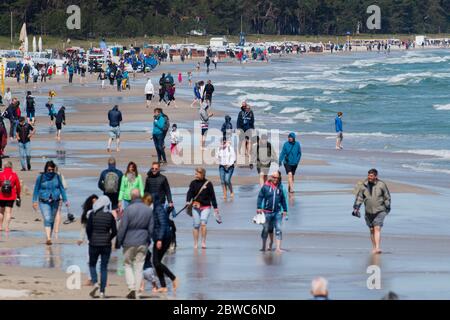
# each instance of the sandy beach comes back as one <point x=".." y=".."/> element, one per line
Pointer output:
<point x="321" y="236"/>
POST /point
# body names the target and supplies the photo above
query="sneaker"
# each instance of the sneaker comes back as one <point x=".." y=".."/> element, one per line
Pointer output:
<point x="93" y="292"/>
<point x="23" y="169"/>
<point x="131" y="294"/>
<point x="102" y="295"/>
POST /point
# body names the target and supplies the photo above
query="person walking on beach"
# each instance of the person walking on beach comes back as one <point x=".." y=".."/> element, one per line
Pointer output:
<point x="319" y="288"/>
<point x="9" y="193"/>
<point x="13" y="114"/>
<point x="30" y="108"/>
<point x="110" y="182"/>
<point x="119" y="78"/>
<point x="70" y="71"/>
<point x="207" y="62"/>
<point x="227" y="128"/>
<point x="114" y="118"/>
<point x="226" y="157"/>
<point x="161" y="243"/>
<point x="264" y="155"/>
<point x="375" y="196"/>
<point x="156" y="183"/>
<point x="131" y="180"/>
<point x="209" y="90"/>
<point x="60" y="120"/>
<point x="162" y="88"/>
<point x="100" y="229"/>
<point x="290" y="157"/>
<point x="24" y="133"/>
<point x="215" y="61"/>
<point x="175" y="140"/>
<point x="51" y="111"/>
<point x="205" y="115"/>
<point x="149" y="92"/>
<point x="86" y="208"/>
<point x="159" y="124"/>
<point x="197" y="96"/>
<point x="272" y="203"/>
<point x="102" y="77"/>
<point x="246" y="125"/>
<point x="201" y="198"/>
<point x="135" y="235"/>
<point x="190" y="78"/>
<point x="48" y="191"/>
<point x="3" y="140"/>
<point x="339" y="131"/>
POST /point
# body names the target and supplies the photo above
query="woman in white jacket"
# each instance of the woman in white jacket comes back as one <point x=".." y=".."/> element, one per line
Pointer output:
<point x="226" y="157"/>
<point x="149" y="92"/>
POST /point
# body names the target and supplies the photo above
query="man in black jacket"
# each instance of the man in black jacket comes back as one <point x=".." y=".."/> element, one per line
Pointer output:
<point x="100" y="229"/>
<point x="158" y="183"/>
<point x="114" y="117"/>
<point x="246" y="124"/>
<point x="209" y="89"/>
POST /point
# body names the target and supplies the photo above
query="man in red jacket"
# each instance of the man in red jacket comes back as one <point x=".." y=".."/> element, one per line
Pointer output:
<point x="9" y="192"/>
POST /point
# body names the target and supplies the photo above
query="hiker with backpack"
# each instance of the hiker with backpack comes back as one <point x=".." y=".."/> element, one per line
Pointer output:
<point x="48" y="192"/>
<point x="109" y="182"/>
<point x="9" y="193"/>
<point x="160" y="128"/>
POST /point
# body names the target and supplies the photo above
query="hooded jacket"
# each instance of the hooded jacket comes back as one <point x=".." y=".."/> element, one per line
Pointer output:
<point x="291" y="150"/>
<point x="158" y="125"/>
<point x="376" y="198"/>
<point x="227" y="125"/>
<point x="158" y="184"/>
<point x="271" y="198"/>
<point x="61" y="116"/>
<point x="30" y="104"/>
<point x="245" y="120"/>
<point x="114" y="117"/>
<point x="149" y="88"/>
<point x="338" y="124"/>
<point x="101" y="226"/>
<point x="204" y="116"/>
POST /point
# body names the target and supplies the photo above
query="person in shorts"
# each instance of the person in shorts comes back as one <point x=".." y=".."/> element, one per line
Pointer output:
<point x="290" y="157"/>
<point x="375" y="196"/>
<point x="115" y="118"/>
<point x="339" y="131"/>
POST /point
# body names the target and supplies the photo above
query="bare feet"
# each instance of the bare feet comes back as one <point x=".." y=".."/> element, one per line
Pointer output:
<point x="48" y="242"/>
<point x="232" y="195"/>
<point x="162" y="290"/>
<point x="224" y="197"/>
<point x="117" y="150"/>
<point x="196" y="246"/>
<point x="376" y="251"/>
<point x="175" y="284"/>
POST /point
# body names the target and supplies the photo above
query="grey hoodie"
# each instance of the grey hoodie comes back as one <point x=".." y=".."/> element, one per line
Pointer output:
<point x="379" y="200"/>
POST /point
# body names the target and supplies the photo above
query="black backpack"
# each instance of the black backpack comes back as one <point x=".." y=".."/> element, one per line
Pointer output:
<point x="166" y="123"/>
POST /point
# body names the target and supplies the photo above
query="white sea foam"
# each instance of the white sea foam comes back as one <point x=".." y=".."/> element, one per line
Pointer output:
<point x="442" y="106"/>
<point x="422" y="168"/>
<point x="443" y="154"/>
<point x="401" y="60"/>
<point x="292" y="110"/>
<point x="268" y="108"/>
<point x="235" y="92"/>
<point x="265" y="97"/>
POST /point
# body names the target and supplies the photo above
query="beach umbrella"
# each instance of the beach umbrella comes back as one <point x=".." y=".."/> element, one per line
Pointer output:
<point x="34" y="44"/>
<point x="40" y="44"/>
<point x="23" y="38"/>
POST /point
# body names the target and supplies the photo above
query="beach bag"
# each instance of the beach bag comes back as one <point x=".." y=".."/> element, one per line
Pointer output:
<point x="111" y="182"/>
<point x="190" y="206"/>
<point x="259" y="218"/>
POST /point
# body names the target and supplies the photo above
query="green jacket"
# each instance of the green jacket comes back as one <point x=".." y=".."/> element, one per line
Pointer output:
<point x="379" y="200"/>
<point x="126" y="187"/>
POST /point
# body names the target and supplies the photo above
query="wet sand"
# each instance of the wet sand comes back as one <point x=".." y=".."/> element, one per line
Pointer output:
<point x="321" y="236"/>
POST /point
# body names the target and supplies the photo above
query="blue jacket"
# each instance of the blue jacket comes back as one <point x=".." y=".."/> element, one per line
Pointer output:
<point x="114" y="117"/>
<point x="49" y="186"/>
<point x="293" y="151"/>
<point x="161" y="228"/>
<point x="197" y="93"/>
<point x="338" y="124"/>
<point x="271" y="198"/>
<point x="158" y="125"/>
<point x="101" y="181"/>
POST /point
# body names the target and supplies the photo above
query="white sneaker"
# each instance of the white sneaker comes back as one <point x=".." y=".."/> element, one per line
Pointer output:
<point x="93" y="292"/>
<point x="102" y="295"/>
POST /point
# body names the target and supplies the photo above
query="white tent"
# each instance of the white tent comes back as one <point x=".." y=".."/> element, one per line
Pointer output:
<point x="23" y="38"/>
<point x="25" y="45"/>
<point x="40" y="44"/>
<point x="34" y="44"/>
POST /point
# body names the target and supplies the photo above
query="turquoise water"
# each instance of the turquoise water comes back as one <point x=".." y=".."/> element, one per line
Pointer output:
<point x="397" y="103"/>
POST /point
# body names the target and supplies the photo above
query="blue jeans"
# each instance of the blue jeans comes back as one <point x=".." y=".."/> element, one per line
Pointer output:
<point x="25" y="154"/>
<point x="273" y="220"/>
<point x="225" y="175"/>
<point x="13" y="128"/>
<point x="158" y="139"/>
<point x="48" y="211"/>
<point x="104" y="253"/>
<point x="200" y="216"/>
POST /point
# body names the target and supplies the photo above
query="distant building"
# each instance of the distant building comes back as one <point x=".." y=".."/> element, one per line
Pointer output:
<point x="218" y="42"/>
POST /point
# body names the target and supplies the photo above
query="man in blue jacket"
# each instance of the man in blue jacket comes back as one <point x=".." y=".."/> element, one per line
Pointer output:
<point x="339" y="131"/>
<point x="115" y="118"/>
<point x="158" y="134"/>
<point x="290" y="157"/>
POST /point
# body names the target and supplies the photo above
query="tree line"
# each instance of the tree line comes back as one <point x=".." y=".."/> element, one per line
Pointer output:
<point x="132" y="18"/>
